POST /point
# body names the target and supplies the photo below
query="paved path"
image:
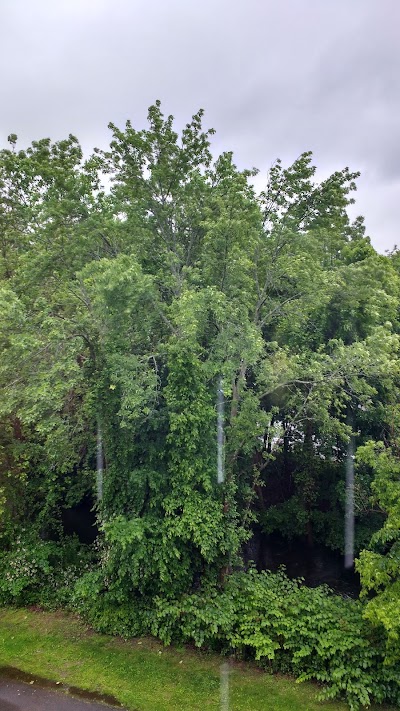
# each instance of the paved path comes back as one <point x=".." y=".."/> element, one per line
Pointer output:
<point x="21" y="696"/>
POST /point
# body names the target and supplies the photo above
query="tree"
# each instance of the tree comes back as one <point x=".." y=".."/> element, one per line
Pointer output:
<point x="122" y="310"/>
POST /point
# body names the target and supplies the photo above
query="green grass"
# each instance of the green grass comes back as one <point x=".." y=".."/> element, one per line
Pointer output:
<point x="141" y="673"/>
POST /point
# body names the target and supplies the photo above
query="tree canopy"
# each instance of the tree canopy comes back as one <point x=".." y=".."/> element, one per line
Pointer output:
<point x="136" y="280"/>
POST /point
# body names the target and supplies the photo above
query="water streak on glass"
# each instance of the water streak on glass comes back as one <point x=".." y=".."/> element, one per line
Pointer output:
<point x="224" y="686"/>
<point x="99" y="473"/>
<point x="349" y="511"/>
<point x="220" y="433"/>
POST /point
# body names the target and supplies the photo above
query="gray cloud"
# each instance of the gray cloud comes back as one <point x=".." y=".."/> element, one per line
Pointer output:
<point x="275" y="77"/>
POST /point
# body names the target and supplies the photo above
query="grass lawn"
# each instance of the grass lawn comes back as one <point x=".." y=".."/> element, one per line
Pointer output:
<point x="141" y="673"/>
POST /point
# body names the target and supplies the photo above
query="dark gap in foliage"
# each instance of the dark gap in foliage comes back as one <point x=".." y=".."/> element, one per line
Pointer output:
<point x="316" y="564"/>
<point x="80" y="520"/>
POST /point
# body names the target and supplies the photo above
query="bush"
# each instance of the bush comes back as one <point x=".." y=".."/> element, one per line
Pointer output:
<point x="41" y="572"/>
<point x="109" y="612"/>
<point x="285" y="626"/>
<point x="288" y="627"/>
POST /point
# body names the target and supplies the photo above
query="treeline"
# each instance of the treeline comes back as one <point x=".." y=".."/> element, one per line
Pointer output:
<point x="133" y="284"/>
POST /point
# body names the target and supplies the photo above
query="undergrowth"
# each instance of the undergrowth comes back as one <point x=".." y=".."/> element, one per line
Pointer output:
<point x="282" y="624"/>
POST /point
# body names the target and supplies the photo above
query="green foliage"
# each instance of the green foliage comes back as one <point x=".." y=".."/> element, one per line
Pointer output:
<point x="267" y="617"/>
<point x="379" y="567"/>
<point x="44" y="572"/>
<point x="130" y="284"/>
<point x="309" y="632"/>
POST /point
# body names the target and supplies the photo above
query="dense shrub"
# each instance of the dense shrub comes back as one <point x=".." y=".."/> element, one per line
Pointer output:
<point x="110" y="612"/>
<point x="34" y="571"/>
<point x="279" y="622"/>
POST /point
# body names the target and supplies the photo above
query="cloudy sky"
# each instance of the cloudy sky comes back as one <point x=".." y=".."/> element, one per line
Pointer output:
<point x="275" y="77"/>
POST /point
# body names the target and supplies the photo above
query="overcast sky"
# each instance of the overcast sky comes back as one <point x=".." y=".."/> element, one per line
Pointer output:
<point x="275" y="78"/>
